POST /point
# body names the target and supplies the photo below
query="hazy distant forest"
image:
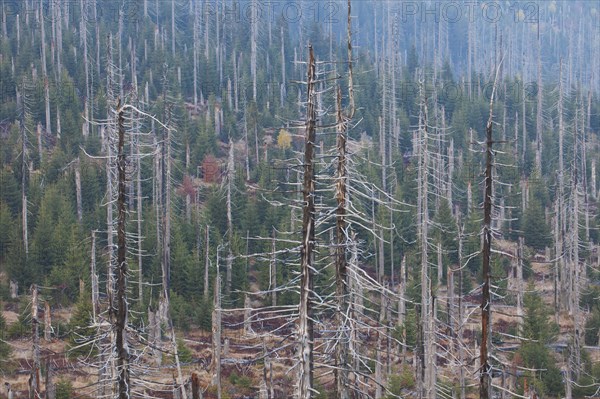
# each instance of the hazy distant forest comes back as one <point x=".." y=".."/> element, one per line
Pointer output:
<point x="340" y="199"/>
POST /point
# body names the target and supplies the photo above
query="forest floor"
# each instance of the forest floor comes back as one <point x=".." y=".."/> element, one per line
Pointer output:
<point x="242" y="365"/>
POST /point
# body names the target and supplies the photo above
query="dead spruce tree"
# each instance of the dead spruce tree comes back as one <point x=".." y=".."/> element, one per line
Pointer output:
<point x="116" y="346"/>
<point x="305" y="307"/>
<point x="322" y="331"/>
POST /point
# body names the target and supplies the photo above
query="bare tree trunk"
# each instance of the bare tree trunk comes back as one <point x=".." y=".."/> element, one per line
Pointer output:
<point x="207" y="261"/>
<point x="39" y="142"/>
<point x="164" y="303"/>
<point x="47" y="322"/>
<point x="379" y="373"/>
<point x="427" y="375"/>
<point x="273" y="271"/>
<point x="558" y="267"/>
<point x="34" y="379"/>
<point x="282" y="90"/>
<point x="577" y="280"/>
<point x="173" y="27"/>
<point x="78" y="190"/>
<point x="560" y="223"/>
<point x="122" y="268"/>
<point x="94" y="279"/>
<point x="519" y="286"/>
<point x="539" y="120"/>
<point x="45" y="69"/>
<point x="253" y="46"/>
<point x="50" y="386"/>
<point x="461" y="361"/>
<point x="139" y="202"/>
<point x="235" y="83"/>
<point x="196" y="34"/>
<point x="342" y="349"/>
<point x="230" y="177"/>
<point x="247" y="145"/>
<point x="59" y="40"/>
<point x="216" y="334"/>
<point x="485" y="376"/>
<point x="451" y="305"/>
<point x="180" y="386"/>
<point x="58" y="128"/>
<point x="24" y="173"/>
<point x="247" y="315"/>
<point x="524" y="125"/>
<point x="88" y="98"/>
<point x="440" y="266"/>
<point x="402" y="293"/>
<point x="305" y="321"/>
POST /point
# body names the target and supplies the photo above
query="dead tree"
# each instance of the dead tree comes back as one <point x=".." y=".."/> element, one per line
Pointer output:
<point x="230" y="177"/>
<point x="23" y="110"/>
<point x="122" y="267"/>
<point x="41" y="19"/>
<point x="216" y="332"/>
<point x="341" y="191"/>
<point x="273" y="270"/>
<point x="78" y="196"/>
<point x="253" y="46"/>
<point x="94" y="280"/>
<point x="50" y="385"/>
<point x="539" y="117"/>
<point x="305" y="320"/>
<point x="426" y="372"/>
<point x="164" y="303"/>
<point x="47" y="322"/>
<point x="206" y="262"/>
<point x="35" y="391"/>
<point x="485" y="370"/>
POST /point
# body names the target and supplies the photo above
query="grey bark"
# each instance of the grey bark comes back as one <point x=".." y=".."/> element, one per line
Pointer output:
<point x="230" y="177"/>
<point x="94" y="279"/>
<point x="207" y="261"/>
<point x="45" y="69"/>
<point x="34" y="378"/>
<point x="305" y="319"/>
<point x="78" y="190"/>
<point x="122" y="267"/>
